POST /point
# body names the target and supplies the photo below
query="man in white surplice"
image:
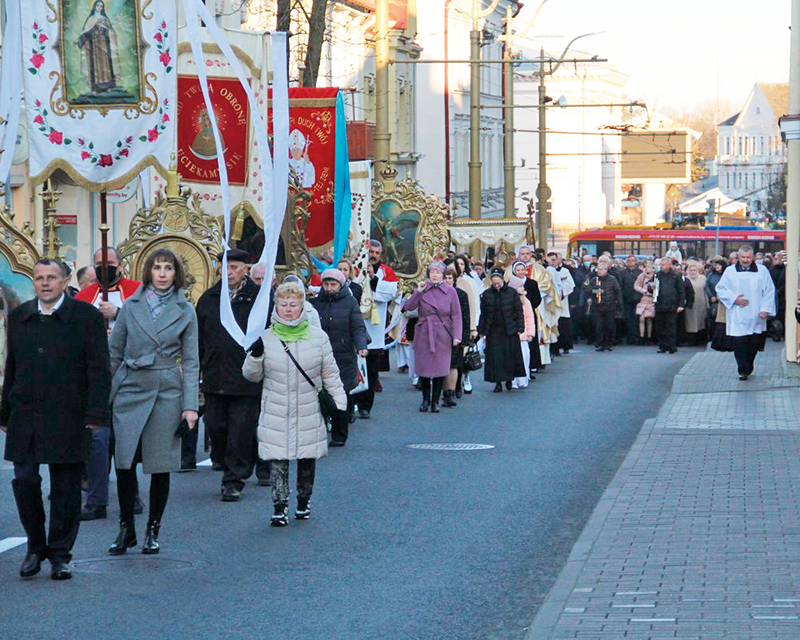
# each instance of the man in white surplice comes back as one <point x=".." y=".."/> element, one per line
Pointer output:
<point x="384" y="284"/>
<point x="747" y="291"/>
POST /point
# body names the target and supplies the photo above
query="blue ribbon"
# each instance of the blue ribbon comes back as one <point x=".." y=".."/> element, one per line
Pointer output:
<point x="342" y="198"/>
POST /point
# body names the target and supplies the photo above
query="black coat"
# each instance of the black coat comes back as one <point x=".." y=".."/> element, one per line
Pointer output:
<point x="463" y="302"/>
<point x="627" y="280"/>
<point x="356" y="289"/>
<point x="506" y="303"/>
<point x="671" y="292"/>
<point x="688" y="291"/>
<point x="221" y="357"/>
<point x="340" y="317"/>
<point x="57" y="381"/>
<point x="611" y="297"/>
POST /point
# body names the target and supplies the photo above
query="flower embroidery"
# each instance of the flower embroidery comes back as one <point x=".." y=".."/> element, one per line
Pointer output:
<point x="162" y="46"/>
<point x="53" y="135"/>
<point x="38" y="50"/>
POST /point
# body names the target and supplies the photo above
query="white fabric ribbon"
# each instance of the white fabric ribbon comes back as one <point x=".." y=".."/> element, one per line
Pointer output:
<point x="275" y="173"/>
<point x="10" y="86"/>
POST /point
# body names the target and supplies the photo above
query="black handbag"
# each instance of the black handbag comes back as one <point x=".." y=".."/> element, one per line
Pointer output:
<point x="472" y="359"/>
<point x="327" y="404"/>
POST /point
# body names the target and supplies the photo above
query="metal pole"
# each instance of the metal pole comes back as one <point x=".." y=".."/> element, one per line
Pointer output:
<point x="792" y="132"/>
<point x="382" y="135"/>
<point x="104" y="245"/>
<point x="475" y="126"/>
<point x="716" y="238"/>
<point x="542" y="191"/>
<point x="508" y="121"/>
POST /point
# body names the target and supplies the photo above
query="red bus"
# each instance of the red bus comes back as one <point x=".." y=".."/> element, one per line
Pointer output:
<point x="652" y="241"/>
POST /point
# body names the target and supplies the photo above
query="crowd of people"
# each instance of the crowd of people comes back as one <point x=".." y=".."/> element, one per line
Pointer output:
<point x="123" y="374"/>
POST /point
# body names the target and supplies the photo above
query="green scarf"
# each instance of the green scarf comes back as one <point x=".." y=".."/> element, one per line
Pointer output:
<point x="291" y="334"/>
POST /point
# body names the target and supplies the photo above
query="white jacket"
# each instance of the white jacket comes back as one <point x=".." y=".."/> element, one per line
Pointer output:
<point x="290" y="424"/>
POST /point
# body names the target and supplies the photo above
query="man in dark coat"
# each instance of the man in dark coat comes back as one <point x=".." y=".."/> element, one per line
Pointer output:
<point x="56" y="390"/>
<point x="604" y="297"/>
<point x="232" y="403"/>
<point x="630" y="298"/>
<point x="670" y="302"/>
<point x="340" y="317"/>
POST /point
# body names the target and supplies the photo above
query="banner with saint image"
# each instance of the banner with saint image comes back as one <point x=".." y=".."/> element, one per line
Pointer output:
<point x="100" y="83"/>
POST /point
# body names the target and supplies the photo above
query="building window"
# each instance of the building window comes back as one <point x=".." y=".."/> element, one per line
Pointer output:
<point x="740" y="145"/>
<point x="762" y="146"/>
<point x="727" y="145"/>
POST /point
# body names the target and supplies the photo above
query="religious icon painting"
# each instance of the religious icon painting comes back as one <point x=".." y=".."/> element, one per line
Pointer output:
<point x="100" y="88"/>
<point x="93" y="39"/>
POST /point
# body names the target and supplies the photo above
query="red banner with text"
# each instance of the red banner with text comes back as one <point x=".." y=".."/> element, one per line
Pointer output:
<point x="197" y="153"/>
<point x="312" y="153"/>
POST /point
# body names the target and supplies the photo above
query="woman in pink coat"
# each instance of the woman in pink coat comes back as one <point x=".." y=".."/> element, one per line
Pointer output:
<point x="518" y="284"/>
<point x="646" y="309"/>
<point x="438" y="330"/>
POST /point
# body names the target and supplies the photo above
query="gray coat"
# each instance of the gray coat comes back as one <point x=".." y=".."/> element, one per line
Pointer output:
<point x="148" y="391"/>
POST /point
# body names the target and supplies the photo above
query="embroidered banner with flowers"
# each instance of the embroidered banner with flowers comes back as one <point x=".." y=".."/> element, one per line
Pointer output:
<point x="100" y="88"/>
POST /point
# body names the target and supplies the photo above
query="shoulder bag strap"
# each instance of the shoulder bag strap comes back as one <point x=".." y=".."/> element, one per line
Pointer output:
<point x="436" y="311"/>
<point x="297" y="364"/>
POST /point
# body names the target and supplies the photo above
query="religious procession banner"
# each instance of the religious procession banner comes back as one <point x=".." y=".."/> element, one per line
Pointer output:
<point x="100" y="88"/>
<point x="319" y="160"/>
<point x="196" y="157"/>
<point x="197" y="154"/>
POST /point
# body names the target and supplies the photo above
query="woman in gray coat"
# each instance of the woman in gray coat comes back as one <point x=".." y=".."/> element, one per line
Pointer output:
<point x="150" y="391"/>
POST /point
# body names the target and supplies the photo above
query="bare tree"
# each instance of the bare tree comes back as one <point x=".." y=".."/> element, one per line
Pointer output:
<point x="284" y="15"/>
<point x="316" y="37"/>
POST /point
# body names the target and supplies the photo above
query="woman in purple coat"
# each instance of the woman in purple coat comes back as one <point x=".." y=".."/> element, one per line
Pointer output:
<point x="438" y="330"/>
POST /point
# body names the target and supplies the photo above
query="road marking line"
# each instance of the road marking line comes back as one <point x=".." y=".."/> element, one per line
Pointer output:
<point x="583" y="590"/>
<point x="775" y="618"/>
<point x="11" y="543"/>
<point x="574" y="609"/>
<point x="773" y="606"/>
<point x="205" y="463"/>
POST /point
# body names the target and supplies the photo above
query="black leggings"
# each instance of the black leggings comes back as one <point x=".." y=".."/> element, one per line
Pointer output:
<point x="127" y="489"/>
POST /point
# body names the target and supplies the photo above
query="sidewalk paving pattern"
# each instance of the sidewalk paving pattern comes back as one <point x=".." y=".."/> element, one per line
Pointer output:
<point x="698" y="535"/>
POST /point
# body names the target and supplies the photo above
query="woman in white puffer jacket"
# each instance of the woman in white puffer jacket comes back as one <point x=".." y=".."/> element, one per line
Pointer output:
<point x="290" y="425"/>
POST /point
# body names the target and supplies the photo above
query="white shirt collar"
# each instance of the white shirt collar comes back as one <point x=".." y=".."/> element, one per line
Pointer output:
<point x="53" y="309"/>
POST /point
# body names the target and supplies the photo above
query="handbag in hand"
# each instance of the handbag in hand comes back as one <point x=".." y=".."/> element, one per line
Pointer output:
<point x="472" y="359"/>
<point x="327" y="404"/>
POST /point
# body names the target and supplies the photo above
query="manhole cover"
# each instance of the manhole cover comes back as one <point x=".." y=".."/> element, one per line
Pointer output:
<point x="133" y="563"/>
<point x="451" y="446"/>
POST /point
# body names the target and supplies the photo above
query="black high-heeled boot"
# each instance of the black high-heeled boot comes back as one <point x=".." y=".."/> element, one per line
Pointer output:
<point x="151" y="545"/>
<point x="126" y="538"/>
<point x="498" y="388"/>
<point x="436" y="394"/>
<point x="426" y="394"/>
<point x="448" y="399"/>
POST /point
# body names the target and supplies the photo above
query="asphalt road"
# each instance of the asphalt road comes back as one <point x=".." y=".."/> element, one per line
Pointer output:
<point x="403" y="543"/>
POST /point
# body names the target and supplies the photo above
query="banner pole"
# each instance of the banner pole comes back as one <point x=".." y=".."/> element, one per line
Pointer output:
<point x="104" y="245"/>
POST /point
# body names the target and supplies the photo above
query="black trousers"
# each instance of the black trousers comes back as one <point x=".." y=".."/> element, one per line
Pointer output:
<point x="604" y="327"/>
<point x="666" y="328"/>
<point x="306" y="472"/>
<point x="565" y="339"/>
<point x="231" y="422"/>
<point x="366" y="399"/>
<point x="745" y="348"/>
<point x="340" y="426"/>
<point x="65" y="507"/>
<point x="631" y="323"/>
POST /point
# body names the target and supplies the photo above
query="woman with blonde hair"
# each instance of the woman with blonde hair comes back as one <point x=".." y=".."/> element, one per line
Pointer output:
<point x="646" y="309"/>
<point x="294" y="361"/>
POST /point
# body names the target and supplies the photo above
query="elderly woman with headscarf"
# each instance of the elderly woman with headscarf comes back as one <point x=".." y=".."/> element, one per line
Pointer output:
<point x="517" y="284"/>
<point x="340" y="317"/>
<point x="438" y="329"/>
<point x="535" y="298"/>
<point x="501" y="322"/>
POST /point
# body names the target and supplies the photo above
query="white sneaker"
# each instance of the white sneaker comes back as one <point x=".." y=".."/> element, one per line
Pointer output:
<point x="467" y="383"/>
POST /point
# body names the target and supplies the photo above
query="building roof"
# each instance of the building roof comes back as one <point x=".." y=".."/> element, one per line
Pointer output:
<point x="730" y="121"/>
<point x="777" y="94"/>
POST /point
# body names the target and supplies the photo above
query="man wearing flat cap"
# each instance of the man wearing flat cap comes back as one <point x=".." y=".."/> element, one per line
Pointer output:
<point x="232" y="403"/>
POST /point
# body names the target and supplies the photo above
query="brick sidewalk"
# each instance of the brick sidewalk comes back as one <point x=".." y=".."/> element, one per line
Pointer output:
<point x="698" y="535"/>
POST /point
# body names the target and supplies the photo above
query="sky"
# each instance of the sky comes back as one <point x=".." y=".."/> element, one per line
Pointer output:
<point x="677" y="53"/>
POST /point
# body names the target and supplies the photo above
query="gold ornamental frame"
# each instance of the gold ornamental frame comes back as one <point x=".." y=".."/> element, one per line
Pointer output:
<point x="17" y="245"/>
<point x="180" y="224"/>
<point x="431" y="237"/>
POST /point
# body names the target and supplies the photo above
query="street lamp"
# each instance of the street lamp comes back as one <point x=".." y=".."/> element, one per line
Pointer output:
<point x="543" y="191"/>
